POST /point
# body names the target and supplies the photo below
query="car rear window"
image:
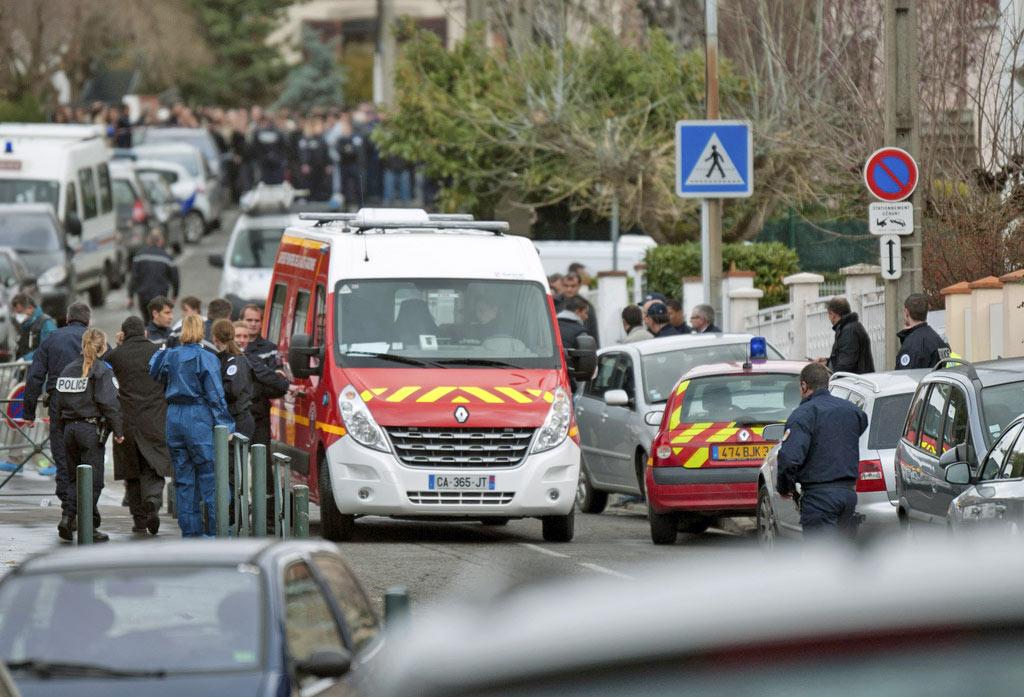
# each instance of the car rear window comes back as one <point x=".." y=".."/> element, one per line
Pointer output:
<point x="887" y="418"/>
<point x="662" y="370"/>
<point x="745" y="399"/>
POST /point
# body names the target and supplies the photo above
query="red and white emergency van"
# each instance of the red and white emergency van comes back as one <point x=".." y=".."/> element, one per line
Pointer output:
<point x="433" y="383"/>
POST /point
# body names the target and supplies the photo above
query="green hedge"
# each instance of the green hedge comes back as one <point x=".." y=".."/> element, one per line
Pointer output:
<point x="667" y="264"/>
<point x="24" y="110"/>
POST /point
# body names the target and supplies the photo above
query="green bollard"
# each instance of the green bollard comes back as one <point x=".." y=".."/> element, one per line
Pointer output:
<point x="259" y="490"/>
<point x="84" y="484"/>
<point x="283" y="494"/>
<point x="300" y="499"/>
<point x="396" y="606"/>
<point x="275" y="471"/>
<point x="222" y="489"/>
<point x="242" y="527"/>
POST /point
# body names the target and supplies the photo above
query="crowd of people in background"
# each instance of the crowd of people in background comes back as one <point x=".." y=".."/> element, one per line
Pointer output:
<point x="330" y="153"/>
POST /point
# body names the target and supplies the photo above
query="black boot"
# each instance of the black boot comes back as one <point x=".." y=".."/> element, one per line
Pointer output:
<point x="100" y="536"/>
<point x="66" y="527"/>
<point x="153" y="523"/>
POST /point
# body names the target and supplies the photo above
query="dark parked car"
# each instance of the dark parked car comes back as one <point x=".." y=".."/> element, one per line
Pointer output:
<point x="958" y="405"/>
<point x="230" y="617"/>
<point x="32" y="230"/>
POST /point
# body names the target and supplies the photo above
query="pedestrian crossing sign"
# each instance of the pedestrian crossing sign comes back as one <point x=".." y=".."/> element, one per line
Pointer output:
<point x="714" y="159"/>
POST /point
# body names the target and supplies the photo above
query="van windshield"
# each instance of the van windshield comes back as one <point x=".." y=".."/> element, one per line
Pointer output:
<point x="256" y="248"/>
<point x="30" y="191"/>
<point x="453" y="323"/>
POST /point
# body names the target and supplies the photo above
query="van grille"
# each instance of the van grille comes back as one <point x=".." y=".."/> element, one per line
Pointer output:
<point x="461" y="447"/>
<point x="472" y="498"/>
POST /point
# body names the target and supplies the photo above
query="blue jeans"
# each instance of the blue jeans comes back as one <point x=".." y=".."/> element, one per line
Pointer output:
<point x="403" y="179"/>
<point x="190" y="440"/>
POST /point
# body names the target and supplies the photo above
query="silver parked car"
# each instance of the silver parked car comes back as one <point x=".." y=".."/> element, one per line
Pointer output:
<point x="995" y="496"/>
<point x="885" y="398"/>
<point x="618" y="412"/>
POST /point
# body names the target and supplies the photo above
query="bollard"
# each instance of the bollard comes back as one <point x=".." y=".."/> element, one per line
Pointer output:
<point x="241" y="485"/>
<point x="84" y="484"/>
<point x="396" y="606"/>
<point x="300" y="499"/>
<point x="282" y="495"/>
<point x="259" y="490"/>
<point x="222" y="490"/>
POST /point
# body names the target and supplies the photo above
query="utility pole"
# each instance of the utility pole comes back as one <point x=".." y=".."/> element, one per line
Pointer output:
<point x="711" y="209"/>
<point x="386" y="55"/>
<point x="902" y="130"/>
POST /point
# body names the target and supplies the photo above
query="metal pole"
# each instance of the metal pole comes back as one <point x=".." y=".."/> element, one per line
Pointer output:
<point x="222" y="490"/>
<point x="259" y="490"/>
<point x="901" y="130"/>
<point x="276" y="472"/>
<point x="711" y="211"/>
<point x="242" y="511"/>
<point x="300" y="495"/>
<point x="615" y="231"/>
<point x="396" y="606"/>
<point x="83" y="474"/>
<point x="282" y="472"/>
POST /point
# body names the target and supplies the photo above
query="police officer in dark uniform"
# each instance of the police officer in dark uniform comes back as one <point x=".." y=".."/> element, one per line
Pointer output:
<point x="154" y="274"/>
<point x="820" y="451"/>
<point x="53" y="355"/>
<point x="236" y="376"/>
<point x="315" y="161"/>
<point x="268" y="380"/>
<point x="269" y="152"/>
<point x="161" y="317"/>
<point x="86" y="396"/>
<point x="920" y="345"/>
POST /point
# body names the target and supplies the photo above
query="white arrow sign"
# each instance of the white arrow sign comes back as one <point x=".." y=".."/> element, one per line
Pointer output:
<point x="891" y="253"/>
<point x="891" y="218"/>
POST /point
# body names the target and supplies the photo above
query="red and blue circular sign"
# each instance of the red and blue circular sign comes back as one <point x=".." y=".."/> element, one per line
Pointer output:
<point x="15" y="403"/>
<point x="891" y="174"/>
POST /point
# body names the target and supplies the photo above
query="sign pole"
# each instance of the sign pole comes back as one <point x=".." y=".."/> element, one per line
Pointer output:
<point x="711" y="209"/>
<point x="901" y="120"/>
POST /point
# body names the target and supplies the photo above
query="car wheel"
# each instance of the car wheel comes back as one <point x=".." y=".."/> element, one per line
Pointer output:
<point x="589" y="499"/>
<point x="694" y="524"/>
<point x="117" y="272"/>
<point x="767" y="527"/>
<point x="334" y="525"/>
<point x="664" y="527"/>
<point x="195" y="227"/>
<point x="559" y="528"/>
<point x="641" y="472"/>
<point x="494" y="522"/>
<point x="98" y="292"/>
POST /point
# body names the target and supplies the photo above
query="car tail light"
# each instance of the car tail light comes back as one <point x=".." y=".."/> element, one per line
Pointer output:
<point x="661" y="452"/>
<point x="870" y="477"/>
<point x="138" y="212"/>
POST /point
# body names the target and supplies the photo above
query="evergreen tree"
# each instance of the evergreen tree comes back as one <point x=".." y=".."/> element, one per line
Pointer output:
<point x="316" y="81"/>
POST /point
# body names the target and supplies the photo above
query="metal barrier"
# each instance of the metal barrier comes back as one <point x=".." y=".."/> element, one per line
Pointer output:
<point x="241" y="477"/>
<point x="19" y="442"/>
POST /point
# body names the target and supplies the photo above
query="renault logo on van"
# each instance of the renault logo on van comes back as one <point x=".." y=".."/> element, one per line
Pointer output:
<point x="462" y="415"/>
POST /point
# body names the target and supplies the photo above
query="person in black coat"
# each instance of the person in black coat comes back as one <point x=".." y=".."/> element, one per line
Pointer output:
<point x="269" y="380"/>
<point x="920" y="345"/>
<point x="153" y="274"/>
<point x="142" y="461"/>
<point x="851" y="350"/>
<point x="570" y="289"/>
<point x="236" y="376"/>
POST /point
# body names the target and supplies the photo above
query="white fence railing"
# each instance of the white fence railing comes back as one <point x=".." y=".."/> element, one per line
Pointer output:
<point x="819" y="330"/>
<point x="775" y="324"/>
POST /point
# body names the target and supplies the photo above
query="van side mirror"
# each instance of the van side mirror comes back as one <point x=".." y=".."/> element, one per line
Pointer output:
<point x="958" y="473"/>
<point x="325" y="664"/>
<point x="616" y="398"/>
<point x="216" y="260"/>
<point x="72" y="225"/>
<point x="300" y="355"/>
<point x="583" y="358"/>
<point x="774" y="433"/>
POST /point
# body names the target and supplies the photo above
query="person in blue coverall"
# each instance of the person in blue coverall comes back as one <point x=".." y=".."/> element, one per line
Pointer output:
<point x="195" y="404"/>
<point x="820" y="451"/>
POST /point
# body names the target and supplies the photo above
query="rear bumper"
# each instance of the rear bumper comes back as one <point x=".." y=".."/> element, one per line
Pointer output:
<point x="726" y="490"/>
<point x="879" y="512"/>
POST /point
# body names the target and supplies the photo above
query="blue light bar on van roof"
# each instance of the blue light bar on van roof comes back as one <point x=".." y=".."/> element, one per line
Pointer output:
<point x="758" y="349"/>
<point x="8" y="148"/>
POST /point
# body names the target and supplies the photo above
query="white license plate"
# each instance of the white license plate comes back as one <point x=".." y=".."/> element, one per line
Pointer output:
<point x="460" y="482"/>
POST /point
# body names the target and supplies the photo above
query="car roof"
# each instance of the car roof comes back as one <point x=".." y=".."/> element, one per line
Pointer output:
<point x="167" y="147"/>
<point x="162" y="164"/>
<point x="996" y="372"/>
<point x="737" y="368"/>
<point x="674" y="343"/>
<point x="888" y="382"/>
<point x="43" y="208"/>
<point x="709" y="603"/>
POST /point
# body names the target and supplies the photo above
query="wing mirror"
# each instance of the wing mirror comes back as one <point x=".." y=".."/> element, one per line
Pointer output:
<point x="216" y="260"/>
<point x="958" y="473"/>
<point x="325" y="664"/>
<point x="774" y="433"/>
<point x="72" y="225"/>
<point x="616" y="398"/>
<point x="959" y="453"/>
<point x="653" y="418"/>
<point x="583" y="358"/>
<point x="301" y="353"/>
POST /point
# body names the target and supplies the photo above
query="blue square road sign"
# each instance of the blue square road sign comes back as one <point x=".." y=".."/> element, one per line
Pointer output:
<point x="714" y="159"/>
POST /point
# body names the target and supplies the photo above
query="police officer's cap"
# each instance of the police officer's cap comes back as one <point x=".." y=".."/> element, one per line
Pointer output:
<point x="658" y="312"/>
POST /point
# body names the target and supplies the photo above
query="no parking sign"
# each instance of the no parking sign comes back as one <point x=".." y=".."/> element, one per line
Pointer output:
<point x="15" y="403"/>
<point x="891" y="174"/>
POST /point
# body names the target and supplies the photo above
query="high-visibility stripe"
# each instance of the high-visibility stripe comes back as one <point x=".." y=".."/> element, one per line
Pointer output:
<point x="366" y="395"/>
<point x="330" y="428"/>
<point x="673" y="419"/>
<point x="514" y="394"/>
<point x="691" y="432"/>
<point x="697" y="459"/>
<point x="723" y="434"/>
<point x="682" y="387"/>
<point x="460" y="400"/>
<point x="302" y="242"/>
<point x="482" y="394"/>
<point x="573" y="432"/>
<point x="435" y="394"/>
<point x="288" y="416"/>
<point x="402" y="392"/>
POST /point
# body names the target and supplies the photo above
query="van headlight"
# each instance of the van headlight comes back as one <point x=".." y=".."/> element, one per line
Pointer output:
<point x="556" y="425"/>
<point x="53" y="276"/>
<point x="359" y="422"/>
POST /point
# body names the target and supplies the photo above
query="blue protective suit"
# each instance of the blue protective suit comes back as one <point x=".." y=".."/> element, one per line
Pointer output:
<point x="195" y="404"/>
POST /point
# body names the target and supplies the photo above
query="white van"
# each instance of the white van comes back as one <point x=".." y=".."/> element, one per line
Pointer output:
<point x="66" y="167"/>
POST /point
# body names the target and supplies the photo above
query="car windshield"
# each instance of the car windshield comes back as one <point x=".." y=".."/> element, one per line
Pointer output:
<point x="256" y="248"/>
<point x="198" y="139"/>
<point x="156" y="189"/>
<point x="1001" y="404"/>
<point x="186" y="158"/>
<point x="454" y="322"/>
<point x="179" y="620"/>
<point x="30" y="191"/>
<point x="29" y="232"/>
<point x="169" y="176"/>
<point x="662" y="370"/>
<point x="887" y="418"/>
<point x="750" y="398"/>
